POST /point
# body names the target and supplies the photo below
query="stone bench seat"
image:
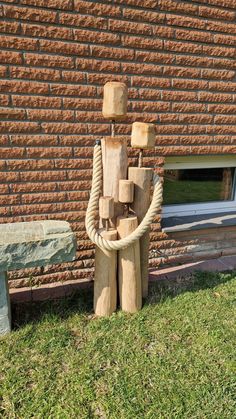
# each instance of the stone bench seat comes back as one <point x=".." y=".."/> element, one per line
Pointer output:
<point x="31" y="244"/>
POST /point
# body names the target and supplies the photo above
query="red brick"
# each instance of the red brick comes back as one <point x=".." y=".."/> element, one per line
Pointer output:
<point x="48" y="60"/>
<point x="154" y="57"/>
<point x="50" y="115"/>
<point x="49" y="152"/>
<point x="6" y="152"/>
<point x="116" y="53"/>
<point x="189" y="22"/>
<point x="4" y="100"/>
<point x="225" y="119"/>
<point x="174" y="6"/>
<point x="19" y="127"/>
<point x="72" y="90"/>
<point x="37" y="101"/>
<point x="223" y="87"/>
<point x="219" y="51"/>
<point x="65" y="47"/>
<point x="4" y="140"/>
<point x="216" y="13"/>
<point x="30" y="165"/>
<point x="151" y="106"/>
<point x="219" y="108"/>
<point x="212" y="25"/>
<point x="10" y="57"/>
<point x="83" y="20"/>
<point x="34" y="140"/>
<point x="189" y="84"/>
<point x="27" y="13"/>
<point x="179" y="96"/>
<point x="54" y="4"/>
<point x="18" y="43"/>
<point x="83" y="104"/>
<point x="96" y="37"/>
<point x="3" y="71"/>
<point x="215" y="97"/>
<point x="188" y="107"/>
<point x="34" y="187"/>
<point x="97" y="9"/>
<point x="97" y="65"/>
<point x="46" y="31"/>
<point x="9" y="27"/>
<point x="16" y="86"/>
<point x="224" y="39"/>
<point x="183" y="47"/>
<point x="138" y="68"/>
<point x="130" y="27"/>
<point x="181" y="72"/>
<point x="64" y="127"/>
<point x="190" y="35"/>
<point x="43" y="176"/>
<point x="104" y="78"/>
<point x="43" y="197"/>
<point x="9" y="113"/>
<point x="193" y="61"/>
<point x="34" y="73"/>
<point x="150" y="82"/>
<point x="142" y="43"/>
<point x="218" y="74"/>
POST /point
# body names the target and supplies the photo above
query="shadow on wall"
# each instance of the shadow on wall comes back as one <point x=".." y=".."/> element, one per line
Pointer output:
<point x="82" y="302"/>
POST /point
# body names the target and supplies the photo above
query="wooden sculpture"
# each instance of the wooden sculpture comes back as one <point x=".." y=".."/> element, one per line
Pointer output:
<point x="124" y="205"/>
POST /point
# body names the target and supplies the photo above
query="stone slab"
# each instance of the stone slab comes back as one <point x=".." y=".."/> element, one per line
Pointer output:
<point x="5" y="309"/>
<point x="36" y="243"/>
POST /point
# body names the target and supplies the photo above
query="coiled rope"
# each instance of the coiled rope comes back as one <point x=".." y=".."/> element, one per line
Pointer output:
<point x="92" y="209"/>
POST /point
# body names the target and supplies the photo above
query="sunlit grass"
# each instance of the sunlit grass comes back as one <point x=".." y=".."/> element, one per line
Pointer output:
<point x="173" y="359"/>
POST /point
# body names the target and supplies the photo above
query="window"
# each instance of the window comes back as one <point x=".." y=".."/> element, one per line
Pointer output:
<point x="199" y="185"/>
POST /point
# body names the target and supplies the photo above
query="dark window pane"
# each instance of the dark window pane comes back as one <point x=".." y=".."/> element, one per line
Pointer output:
<point x="198" y="185"/>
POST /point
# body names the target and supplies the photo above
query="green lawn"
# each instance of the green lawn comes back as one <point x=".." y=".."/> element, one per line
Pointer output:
<point x="173" y="359"/>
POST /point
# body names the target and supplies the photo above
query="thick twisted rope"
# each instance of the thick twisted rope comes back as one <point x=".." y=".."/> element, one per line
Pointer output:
<point x="92" y="209"/>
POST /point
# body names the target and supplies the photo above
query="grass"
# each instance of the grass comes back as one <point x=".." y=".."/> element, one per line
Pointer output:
<point x="173" y="359"/>
<point x="184" y="192"/>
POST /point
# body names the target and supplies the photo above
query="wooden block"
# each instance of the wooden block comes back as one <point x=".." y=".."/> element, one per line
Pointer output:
<point x="115" y="97"/>
<point x="142" y="178"/>
<point x="115" y="166"/>
<point x="143" y="135"/>
<point x="126" y="191"/>
<point x="105" y="285"/>
<point x="129" y="272"/>
<point x="106" y="207"/>
<point x="5" y="308"/>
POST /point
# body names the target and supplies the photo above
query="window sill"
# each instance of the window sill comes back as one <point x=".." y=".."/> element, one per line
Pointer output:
<point x="198" y="222"/>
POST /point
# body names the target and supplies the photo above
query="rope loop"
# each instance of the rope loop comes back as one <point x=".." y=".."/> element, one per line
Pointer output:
<point x="90" y="219"/>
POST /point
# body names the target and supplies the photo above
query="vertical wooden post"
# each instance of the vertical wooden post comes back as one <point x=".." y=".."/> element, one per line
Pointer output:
<point x="115" y="164"/>
<point x="105" y="285"/>
<point x="5" y="308"/>
<point x="142" y="176"/>
<point x="129" y="272"/>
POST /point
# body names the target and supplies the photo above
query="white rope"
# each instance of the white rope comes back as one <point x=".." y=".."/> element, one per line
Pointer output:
<point x="92" y="209"/>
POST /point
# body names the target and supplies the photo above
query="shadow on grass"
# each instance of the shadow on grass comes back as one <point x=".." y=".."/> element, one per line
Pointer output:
<point x="82" y="302"/>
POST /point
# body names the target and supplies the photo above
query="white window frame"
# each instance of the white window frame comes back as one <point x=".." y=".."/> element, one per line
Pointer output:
<point x="198" y="162"/>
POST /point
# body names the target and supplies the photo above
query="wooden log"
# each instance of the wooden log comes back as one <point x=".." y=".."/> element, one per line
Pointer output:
<point x="126" y="191"/>
<point x="106" y="207"/>
<point x="115" y="96"/>
<point x="105" y="285"/>
<point x="129" y="272"/>
<point x="143" y="135"/>
<point x="5" y="308"/>
<point x="142" y="190"/>
<point x="115" y="164"/>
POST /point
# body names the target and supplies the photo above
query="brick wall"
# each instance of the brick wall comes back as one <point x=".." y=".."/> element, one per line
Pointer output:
<point x="178" y="60"/>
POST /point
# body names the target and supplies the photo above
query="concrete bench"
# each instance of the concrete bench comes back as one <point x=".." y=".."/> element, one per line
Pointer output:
<point x="27" y="245"/>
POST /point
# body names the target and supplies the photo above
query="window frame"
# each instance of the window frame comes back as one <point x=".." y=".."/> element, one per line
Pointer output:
<point x="198" y="162"/>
